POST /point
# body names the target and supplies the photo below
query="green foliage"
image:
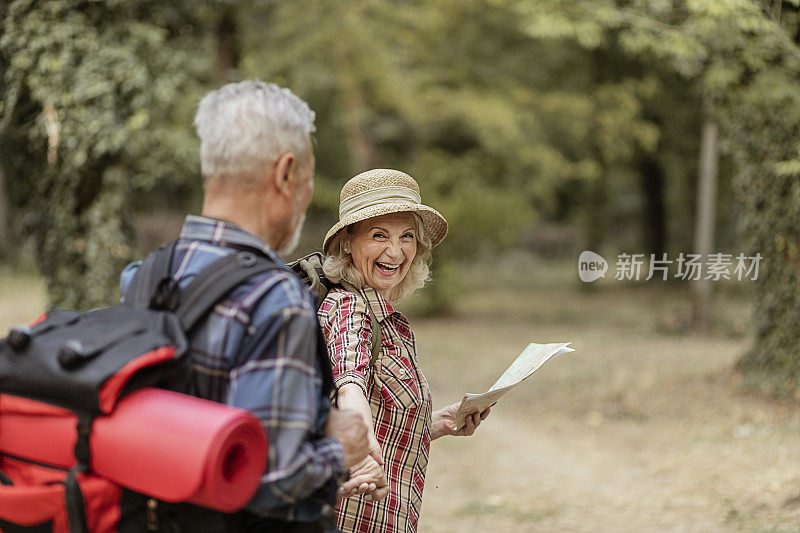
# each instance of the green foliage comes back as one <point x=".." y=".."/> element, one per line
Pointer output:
<point x="763" y="122"/>
<point x="754" y="74"/>
<point x="744" y="55"/>
<point x="89" y="120"/>
<point x="506" y="111"/>
<point x="428" y="88"/>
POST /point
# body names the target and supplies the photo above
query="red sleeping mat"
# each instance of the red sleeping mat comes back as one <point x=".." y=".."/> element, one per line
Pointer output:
<point x="164" y="444"/>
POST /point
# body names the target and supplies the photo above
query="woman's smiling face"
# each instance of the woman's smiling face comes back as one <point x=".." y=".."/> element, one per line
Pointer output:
<point x="383" y="248"/>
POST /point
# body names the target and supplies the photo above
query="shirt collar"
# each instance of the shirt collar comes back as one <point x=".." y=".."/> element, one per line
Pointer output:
<point x="380" y="306"/>
<point x="223" y="233"/>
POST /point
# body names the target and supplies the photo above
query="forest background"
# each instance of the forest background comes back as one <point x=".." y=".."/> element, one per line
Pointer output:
<point x="539" y="128"/>
<point x="549" y="124"/>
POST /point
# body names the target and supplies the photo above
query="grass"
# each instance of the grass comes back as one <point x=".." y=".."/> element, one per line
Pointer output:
<point x="644" y="427"/>
<point x="22" y="298"/>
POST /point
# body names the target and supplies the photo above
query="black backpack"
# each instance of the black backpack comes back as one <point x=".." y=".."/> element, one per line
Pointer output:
<point x="86" y="362"/>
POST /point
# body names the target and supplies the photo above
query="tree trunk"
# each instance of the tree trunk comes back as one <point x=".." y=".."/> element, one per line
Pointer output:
<point x="4" y="232"/>
<point x="706" y="213"/>
<point x="362" y="149"/>
<point x="595" y="217"/>
<point x="227" y="45"/>
<point x="654" y="215"/>
<point x="363" y="152"/>
<point x="597" y="201"/>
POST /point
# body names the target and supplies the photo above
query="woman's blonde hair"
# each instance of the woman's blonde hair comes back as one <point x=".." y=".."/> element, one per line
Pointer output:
<point x="338" y="265"/>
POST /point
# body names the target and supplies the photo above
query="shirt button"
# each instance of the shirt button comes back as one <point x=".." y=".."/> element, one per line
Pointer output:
<point x="327" y="510"/>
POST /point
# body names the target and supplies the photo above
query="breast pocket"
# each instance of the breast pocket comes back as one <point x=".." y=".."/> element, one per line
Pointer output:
<point x="399" y="386"/>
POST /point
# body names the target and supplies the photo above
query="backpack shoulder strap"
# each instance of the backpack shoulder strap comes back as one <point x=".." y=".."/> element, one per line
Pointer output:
<point x="153" y="287"/>
<point x="217" y="280"/>
<point x="375" y="337"/>
<point x="152" y="272"/>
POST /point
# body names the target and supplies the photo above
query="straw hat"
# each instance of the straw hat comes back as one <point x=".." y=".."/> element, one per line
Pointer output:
<point x="382" y="191"/>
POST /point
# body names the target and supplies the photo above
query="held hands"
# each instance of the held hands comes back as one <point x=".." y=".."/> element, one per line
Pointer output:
<point x="368" y="478"/>
<point x="444" y="422"/>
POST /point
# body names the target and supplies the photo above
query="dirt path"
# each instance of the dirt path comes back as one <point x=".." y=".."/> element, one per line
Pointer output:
<point x="635" y="431"/>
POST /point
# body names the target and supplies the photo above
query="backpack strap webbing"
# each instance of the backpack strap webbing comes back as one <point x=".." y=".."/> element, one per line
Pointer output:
<point x="74" y="503"/>
<point x="217" y="280"/>
<point x="154" y="270"/>
<point x="376" y="338"/>
<point x="73" y="495"/>
<point x="375" y="334"/>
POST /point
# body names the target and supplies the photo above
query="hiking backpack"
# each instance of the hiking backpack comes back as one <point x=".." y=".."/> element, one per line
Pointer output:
<point x="80" y="365"/>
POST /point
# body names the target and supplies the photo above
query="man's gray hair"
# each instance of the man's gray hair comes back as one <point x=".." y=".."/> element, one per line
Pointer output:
<point x="243" y="126"/>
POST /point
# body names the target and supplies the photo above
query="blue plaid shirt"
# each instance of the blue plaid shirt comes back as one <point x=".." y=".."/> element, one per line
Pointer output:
<point x="258" y="350"/>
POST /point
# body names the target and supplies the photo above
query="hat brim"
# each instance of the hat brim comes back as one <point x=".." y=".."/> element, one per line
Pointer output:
<point x="433" y="222"/>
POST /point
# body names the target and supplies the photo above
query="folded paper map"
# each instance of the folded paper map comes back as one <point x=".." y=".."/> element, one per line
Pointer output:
<point x="534" y="356"/>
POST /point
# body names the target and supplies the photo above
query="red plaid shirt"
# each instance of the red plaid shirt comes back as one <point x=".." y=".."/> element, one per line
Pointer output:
<point x="398" y="395"/>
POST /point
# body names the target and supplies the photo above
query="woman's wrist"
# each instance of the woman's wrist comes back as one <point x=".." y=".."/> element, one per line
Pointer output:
<point x="350" y="396"/>
<point x="438" y="425"/>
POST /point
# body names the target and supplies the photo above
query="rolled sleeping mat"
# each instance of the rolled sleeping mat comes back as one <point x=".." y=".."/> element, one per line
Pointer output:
<point x="167" y="445"/>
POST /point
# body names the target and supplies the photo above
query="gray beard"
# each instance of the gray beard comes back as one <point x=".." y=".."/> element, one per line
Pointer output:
<point x="294" y="240"/>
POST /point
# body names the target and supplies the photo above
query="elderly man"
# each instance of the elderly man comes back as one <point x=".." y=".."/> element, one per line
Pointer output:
<point x="259" y="348"/>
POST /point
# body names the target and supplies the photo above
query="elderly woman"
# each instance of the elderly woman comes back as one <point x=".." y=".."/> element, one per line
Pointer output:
<point x="379" y="252"/>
